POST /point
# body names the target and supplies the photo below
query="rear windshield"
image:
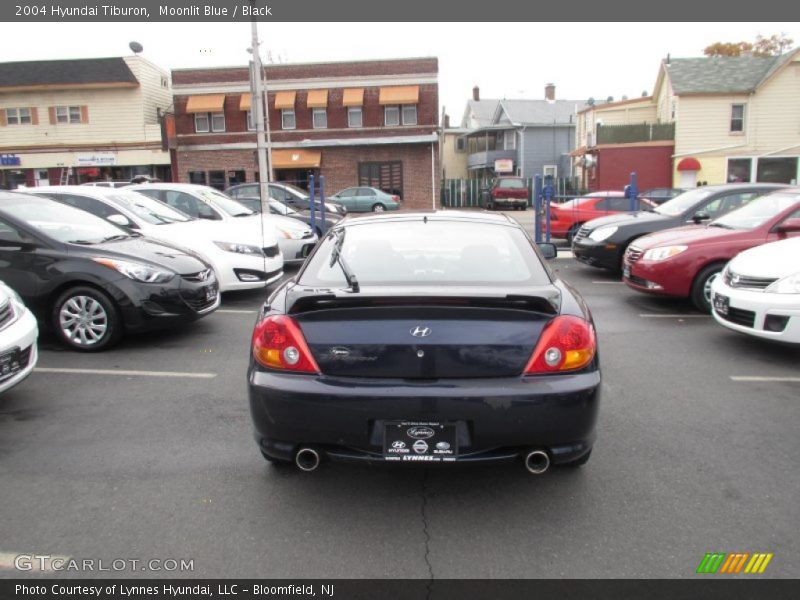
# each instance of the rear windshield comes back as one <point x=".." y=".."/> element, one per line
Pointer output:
<point x="680" y="204"/>
<point x="514" y="184"/>
<point x="147" y="209"/>
<point x="430" y="254"/>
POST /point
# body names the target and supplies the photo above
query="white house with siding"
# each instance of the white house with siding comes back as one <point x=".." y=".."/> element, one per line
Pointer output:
<point x="80" y="120"/>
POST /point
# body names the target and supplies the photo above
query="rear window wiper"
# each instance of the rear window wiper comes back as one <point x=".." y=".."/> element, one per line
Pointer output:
<point x="336" y="256"/>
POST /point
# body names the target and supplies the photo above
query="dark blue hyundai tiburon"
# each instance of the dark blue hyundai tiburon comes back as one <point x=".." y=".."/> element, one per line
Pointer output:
<point x="425" y="338"/>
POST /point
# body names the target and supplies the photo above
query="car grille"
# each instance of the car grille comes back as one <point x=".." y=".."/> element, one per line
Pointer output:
<point x="745" y="318"/>
<point x="735" y="280"/>
<point x="271" y="251"/>
<point x="6" y="314"/>
<point x="632" y="254"/>
<point x="582" y="233"/>
<point x="196" y="298"/>
<point x="23" y="357"/>
<point x="207" y="275"/>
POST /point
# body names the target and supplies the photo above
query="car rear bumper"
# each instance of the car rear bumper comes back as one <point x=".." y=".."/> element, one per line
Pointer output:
<point x="497" y="419"/>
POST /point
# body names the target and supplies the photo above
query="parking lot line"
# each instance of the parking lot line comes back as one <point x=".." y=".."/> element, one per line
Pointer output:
<point x="759" y="379"/>
<point x="675" y="316"/>
<point x="232" y="311"/>
<point x="126" y="373"/>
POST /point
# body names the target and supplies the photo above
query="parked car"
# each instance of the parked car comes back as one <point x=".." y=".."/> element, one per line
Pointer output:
<point x="366" y="199"/>
<point x="290" y="195"/>
<point x="18" y="332"/>
<point x="684" y="262"/>
<point x="279" y="208"/>
<point x="108" y="184"/>
<point x="758" y="293"/>
<point x="202" y="202"/>
<point x="90" y="280"/>
<point x="425" y="337"/>
<point x="240" y="262"/>
<point x="602" y="242"/>
<point x="506" y="193"/>
<point x="661" y="195"/>
<point x="568" y="217"/>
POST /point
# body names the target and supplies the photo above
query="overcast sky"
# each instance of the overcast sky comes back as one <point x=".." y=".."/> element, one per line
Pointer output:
<point x="507" y="60"/>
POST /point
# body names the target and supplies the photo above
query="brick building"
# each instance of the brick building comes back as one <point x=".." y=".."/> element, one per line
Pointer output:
<point x="371" y="123"/>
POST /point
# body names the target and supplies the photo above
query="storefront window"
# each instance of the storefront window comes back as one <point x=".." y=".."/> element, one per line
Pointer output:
<point x="777" y="170"/>
<point x="739" y="170"/>
<point x="197" y="177"/>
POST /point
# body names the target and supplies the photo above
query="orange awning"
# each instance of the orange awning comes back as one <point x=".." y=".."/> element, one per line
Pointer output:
<point x="407" y="94"/>
<point x="205" y="103"/>
<point x="296" y="159"/>
<point x="285" y="99"/>
<point x="245" y="101"/>
<point x="353" y="97"/>
<point x="317" y="99"/>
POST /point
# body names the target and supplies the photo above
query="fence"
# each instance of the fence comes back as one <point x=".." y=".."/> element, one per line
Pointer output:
<point x="468" y="193"/>
<point x="638" y="132"/>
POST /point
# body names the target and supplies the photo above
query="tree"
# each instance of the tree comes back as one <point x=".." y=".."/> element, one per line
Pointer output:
<point x="773" y="45"/>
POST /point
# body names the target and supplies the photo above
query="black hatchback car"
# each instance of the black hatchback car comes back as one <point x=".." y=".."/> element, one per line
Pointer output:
<point x="90" y="281"/>
<point x="425" y="338"/>
<point x="602" y="242"/>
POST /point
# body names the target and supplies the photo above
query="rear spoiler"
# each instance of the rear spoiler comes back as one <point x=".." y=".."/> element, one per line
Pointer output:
<point x="548" y="303"/>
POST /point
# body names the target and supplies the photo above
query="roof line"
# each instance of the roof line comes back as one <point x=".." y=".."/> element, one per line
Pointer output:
<point x="310" y="63"/>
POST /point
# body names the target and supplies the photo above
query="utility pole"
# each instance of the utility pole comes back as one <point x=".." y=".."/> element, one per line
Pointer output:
<point x="257" y="105"/>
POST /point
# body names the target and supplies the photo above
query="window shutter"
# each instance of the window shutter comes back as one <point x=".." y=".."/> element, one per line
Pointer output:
<point x="51" y="111"/>
<point x="3" y="121"/>
<point x="34" y="115"/>
<point x="84" y="114"/>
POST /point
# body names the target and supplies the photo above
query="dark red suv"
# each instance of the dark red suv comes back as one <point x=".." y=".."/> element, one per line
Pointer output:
<point x="507" y="192"/>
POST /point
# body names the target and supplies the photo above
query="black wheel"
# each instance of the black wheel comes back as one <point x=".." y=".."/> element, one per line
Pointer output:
<point x="378" y="207"/>
<point x="579" y="462"/>
<point x="572" y="231"/>
<point x="490" y="205"/>
<point x="85" y="319"/>
<point x="701" y="288"/>
<point x="524" y="207"/>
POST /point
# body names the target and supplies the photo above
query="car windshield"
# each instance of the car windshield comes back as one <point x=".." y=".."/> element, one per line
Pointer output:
<point x="65" y="223"/>
<point x="514" y="184"/>
<point x="680" y="204"/>
<point x="226" y="203"/>
<point x="432" y="253"/>
<point x="757" y="212"/>
<point x="253" y="204"/>
<point x="147" y="209"/>
<point x="298" y="191"/>
<point x="280" y="208"/>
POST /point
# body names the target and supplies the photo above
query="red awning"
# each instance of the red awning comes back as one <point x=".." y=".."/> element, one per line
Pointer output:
<point x="689" y="164"/>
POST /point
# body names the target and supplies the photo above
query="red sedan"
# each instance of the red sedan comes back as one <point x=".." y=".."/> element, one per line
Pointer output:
<point x="684" y="261"/>
<point x="567" y="218"/>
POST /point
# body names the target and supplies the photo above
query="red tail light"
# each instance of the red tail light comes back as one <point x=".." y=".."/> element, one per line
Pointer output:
<point x="567" y="343"/>
<point x="278" y="343"/>
<point x="396" y="198"/>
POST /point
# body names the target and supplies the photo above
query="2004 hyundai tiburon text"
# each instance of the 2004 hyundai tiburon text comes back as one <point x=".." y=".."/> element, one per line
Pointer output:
<point x="425" y="338"/>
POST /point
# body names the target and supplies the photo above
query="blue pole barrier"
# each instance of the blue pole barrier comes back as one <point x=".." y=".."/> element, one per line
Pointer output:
<point x="633" y="190"/>
<point x="537" y="208"/>
<point x="324" y="224"/>
<point x="311" y="203"/>
<point x="548" y="195"/>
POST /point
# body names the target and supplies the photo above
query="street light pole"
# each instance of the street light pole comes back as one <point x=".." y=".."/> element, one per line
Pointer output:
<point x="257" y="105"/>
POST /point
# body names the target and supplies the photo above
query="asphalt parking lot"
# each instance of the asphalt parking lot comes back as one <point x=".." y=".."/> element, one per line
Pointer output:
<point x="159" y="462"/>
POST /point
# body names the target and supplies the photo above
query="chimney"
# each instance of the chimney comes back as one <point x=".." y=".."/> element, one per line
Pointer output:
<point x="550" y="92"/>
<point x="447" y="121"/>
<point x="476" y="93"/>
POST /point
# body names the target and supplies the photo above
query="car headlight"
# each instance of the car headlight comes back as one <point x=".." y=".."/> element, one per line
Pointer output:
<point x="292" y="234"/>
<point x="240" y="248"/>
<point x="602" y="233"/>
<point x="787" y="285"/>
<point x="663" y="252"/>
<point x="137" y="271"/>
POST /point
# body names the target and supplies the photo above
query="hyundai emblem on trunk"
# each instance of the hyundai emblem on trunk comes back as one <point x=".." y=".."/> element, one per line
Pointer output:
<point x="420" y="331"/>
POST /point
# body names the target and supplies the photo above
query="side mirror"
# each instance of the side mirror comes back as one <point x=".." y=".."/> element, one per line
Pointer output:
<point x="789" y="226"/>
<point x="548" y="250"/>
<point x="701" y="216"/>
<point x="120" y="220"/>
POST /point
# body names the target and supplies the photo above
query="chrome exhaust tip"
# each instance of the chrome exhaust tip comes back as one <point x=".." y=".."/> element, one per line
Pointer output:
<point x="537" y="462"/>
<point x="307" y="459"/>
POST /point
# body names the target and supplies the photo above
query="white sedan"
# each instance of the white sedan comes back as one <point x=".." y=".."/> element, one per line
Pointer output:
<point x="241" y="259"/>
<point x="295" y="238"/>
<point x="18" y="333"/>
<point x="758" y="293"/>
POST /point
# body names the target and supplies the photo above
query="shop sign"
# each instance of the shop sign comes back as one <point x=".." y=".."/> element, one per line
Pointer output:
<point x="10" y="160"/>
